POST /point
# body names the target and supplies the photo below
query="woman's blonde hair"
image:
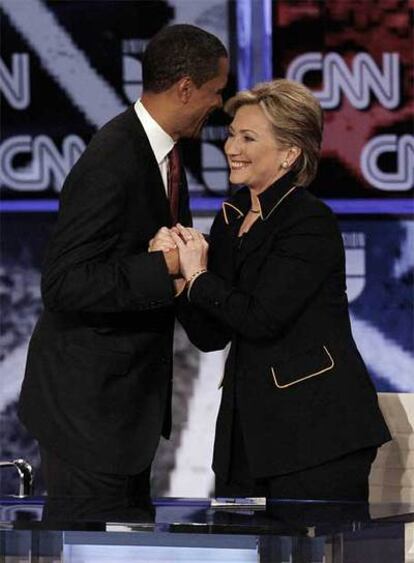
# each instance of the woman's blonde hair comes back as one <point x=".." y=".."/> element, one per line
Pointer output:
<point x="296" y="117"/>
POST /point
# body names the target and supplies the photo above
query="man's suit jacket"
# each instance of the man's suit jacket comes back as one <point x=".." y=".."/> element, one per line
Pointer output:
<point x="278" y="294"/>
<point x="97" y="387"/>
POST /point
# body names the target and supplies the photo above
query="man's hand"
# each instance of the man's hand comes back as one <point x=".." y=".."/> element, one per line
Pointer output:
<point x="164" y="242"/>
<point x="172" y="260"/>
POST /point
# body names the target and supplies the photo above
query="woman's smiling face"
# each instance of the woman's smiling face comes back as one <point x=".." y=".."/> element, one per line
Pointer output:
<point x="254" y="155"/>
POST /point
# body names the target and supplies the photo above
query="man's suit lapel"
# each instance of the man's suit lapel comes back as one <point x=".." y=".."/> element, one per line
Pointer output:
<point x="156" y="196"/>
<point x="158" y="204"/>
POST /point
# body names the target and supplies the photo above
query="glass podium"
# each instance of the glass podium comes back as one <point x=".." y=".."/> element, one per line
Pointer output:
<point x="192" y="530"/>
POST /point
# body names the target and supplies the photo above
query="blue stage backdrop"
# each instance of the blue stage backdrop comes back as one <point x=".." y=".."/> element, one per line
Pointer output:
<point x="67" y="66"/>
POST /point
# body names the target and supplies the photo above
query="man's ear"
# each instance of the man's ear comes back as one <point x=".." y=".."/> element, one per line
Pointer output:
<point x="184" y="88"/>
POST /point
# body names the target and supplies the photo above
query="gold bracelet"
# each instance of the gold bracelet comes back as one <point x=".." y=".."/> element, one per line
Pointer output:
<point x="193" y="279"/>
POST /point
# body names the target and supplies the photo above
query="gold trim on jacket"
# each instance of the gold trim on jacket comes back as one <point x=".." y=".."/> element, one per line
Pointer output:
<point x="227" y="207"/>
<point x="314" y="374"/>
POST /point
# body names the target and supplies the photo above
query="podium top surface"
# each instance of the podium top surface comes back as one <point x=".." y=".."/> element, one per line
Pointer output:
<point x="202" y="516"/>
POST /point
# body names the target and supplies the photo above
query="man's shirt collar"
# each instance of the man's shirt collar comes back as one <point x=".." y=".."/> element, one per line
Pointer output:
<point x="161" y="143"/>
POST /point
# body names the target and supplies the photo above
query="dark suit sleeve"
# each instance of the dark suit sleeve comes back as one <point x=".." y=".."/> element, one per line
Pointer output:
<point x="205" y="332"/>
<point x="82" y="271"/>
<point x="300" y="260"/>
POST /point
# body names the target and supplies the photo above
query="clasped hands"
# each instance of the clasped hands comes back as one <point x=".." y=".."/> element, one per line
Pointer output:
<point x="185" y="250"/>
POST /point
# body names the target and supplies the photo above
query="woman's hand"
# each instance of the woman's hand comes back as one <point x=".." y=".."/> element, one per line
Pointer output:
<point x="192" y="248"/>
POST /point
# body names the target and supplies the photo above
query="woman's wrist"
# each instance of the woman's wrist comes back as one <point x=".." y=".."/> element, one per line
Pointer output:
<point x="194" y="273"/>
<point x="190" y="281"/>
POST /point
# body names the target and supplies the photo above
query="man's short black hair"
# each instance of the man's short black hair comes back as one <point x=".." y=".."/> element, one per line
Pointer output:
<point x="177" y="51"/>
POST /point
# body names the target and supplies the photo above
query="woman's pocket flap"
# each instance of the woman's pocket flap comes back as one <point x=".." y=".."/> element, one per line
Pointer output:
<point x="315" y="362"/>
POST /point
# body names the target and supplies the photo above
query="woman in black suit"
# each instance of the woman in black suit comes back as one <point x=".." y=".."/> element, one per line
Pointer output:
<point x="299" y="416"/>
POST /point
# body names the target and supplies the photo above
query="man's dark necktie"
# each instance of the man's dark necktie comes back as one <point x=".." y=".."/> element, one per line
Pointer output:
<point x="174" y="182"/>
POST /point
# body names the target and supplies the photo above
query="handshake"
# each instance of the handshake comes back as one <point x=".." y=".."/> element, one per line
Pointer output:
<point x="185" y="251"/>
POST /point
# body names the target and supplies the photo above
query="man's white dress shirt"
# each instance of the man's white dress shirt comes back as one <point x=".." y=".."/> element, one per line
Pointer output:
<point x="161" y="143"/>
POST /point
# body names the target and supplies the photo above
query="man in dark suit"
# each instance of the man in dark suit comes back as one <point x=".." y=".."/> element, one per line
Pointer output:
<point x="97" y="388"/>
